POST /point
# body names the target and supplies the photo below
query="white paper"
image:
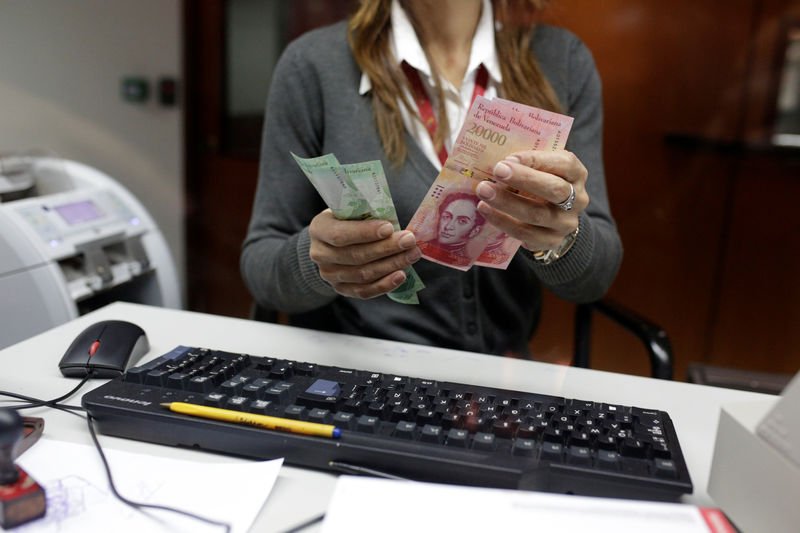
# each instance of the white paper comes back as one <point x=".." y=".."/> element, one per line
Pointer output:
<point x="80" y="500"/>
<point x="370" y="504"/>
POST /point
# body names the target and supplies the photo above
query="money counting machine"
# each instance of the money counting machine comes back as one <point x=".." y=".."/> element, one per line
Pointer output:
<point x="72" y="239"/>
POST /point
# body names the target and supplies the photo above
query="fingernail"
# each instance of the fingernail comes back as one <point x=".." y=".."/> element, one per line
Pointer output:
<point x="398" y="278"/>
<point x="407" y="241"/>
<point x="385" y="230"/>
<point x="502" y="171"/>
<point x="484" y="208"/>
<point x="513" y="159"/>
<point x="414" y="255"/>
<point x="485" y="191"/>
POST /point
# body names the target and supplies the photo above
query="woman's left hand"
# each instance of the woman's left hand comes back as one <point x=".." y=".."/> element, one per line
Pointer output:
<point x="543" y="179"/>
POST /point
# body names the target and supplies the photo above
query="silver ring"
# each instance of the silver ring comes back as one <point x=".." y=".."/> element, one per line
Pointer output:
<point x="566" y="205"/>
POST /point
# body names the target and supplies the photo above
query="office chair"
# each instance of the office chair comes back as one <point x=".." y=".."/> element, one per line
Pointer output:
<point x="654" y="338"/>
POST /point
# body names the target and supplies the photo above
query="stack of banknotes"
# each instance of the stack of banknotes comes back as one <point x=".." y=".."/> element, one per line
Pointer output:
<point x="359" y="192"/>
<point x="448" y="228"/>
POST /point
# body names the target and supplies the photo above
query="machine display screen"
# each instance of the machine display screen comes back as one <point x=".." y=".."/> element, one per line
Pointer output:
<point x="78" y="212"/>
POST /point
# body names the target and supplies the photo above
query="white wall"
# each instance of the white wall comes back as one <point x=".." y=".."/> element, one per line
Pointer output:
<point x="61" y="66"/>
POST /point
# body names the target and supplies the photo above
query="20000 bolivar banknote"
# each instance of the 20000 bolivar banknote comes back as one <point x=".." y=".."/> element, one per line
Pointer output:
<point x="359" y="192"/>
<point x="548" y="131"/>
<point x="451" y="229"/>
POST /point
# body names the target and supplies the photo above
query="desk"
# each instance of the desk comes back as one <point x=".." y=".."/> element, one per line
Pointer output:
<point x="31" y="368"/>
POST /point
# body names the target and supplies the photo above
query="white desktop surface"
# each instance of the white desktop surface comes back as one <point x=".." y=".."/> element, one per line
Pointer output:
<point x="31" y="368"/>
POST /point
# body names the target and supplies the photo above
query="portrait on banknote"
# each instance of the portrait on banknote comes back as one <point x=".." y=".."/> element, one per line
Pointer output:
<point x="452" y="229"/>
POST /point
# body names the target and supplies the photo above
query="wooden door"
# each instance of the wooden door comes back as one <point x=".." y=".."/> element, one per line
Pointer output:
<point x="230" y="48"/>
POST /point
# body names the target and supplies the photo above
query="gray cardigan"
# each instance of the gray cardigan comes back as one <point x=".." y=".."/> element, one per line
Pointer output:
<point x="314" y="108"/>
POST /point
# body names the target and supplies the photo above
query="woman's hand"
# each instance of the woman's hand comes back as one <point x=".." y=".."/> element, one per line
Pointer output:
<point x="361" y="258"/>
<point x="543" y="179"/>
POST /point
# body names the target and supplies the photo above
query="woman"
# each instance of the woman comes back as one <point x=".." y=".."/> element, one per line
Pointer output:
<point x="347" y="90"/>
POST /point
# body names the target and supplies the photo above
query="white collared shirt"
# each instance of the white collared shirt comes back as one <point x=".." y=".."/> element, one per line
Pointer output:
<point x="405" y="46"/>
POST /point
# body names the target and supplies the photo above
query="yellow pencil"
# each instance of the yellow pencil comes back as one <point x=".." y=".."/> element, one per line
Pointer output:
<point x="261" y="421"/>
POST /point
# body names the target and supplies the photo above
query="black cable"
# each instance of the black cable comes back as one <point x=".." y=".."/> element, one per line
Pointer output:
<point x="35" y="402"/>
<point x="54" y="403"/>
<point x="137" y="505"/>
<point x="363" y="470"/>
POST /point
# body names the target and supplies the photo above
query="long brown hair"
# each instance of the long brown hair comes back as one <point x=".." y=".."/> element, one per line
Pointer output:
<point x="523" y="81"/>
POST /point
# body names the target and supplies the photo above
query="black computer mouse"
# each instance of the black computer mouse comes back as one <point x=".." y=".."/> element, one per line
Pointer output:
<point x="105" y="347"/>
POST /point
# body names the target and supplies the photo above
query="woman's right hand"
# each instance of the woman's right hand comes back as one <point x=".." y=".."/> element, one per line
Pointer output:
<point x="361" y="258"/>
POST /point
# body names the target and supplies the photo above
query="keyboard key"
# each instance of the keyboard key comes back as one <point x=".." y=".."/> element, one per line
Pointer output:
<point x="503" y="428"/>
<point x="262" y="382"/>
<point x="579" y="455"/>
<point x="378" y="409"/>
<point x="427" y="416"/>
<point x="524" y="447"/>
<point x="368" y="424"/>
<point x="631" y="447"/>
<point x="607" y="460"/>
<point x="177" y="381"/>
<point x="457" y="438"/>
<point x="295" y="412"/>
<point x="253" y="391"/>
<point x="431" y="433"/>
<point x="354" y="406"/>
<point x="281" y="370"/>
<point x="449" y="421"/>
<point x="215" y="399"/>
<point x="201" y="384"/>
<point x="551" y="451"/>
<point x="259" y="407"/>
<point x="660" y="450"/>
<point x="579" y="438"/>
<point x="156" y="377"/>
<point x="394" y="382"/>
<point x="404" y="430"/>
<point x="552" y="434"/>
<point x="612" y="409"/>
<point x="320" y="416"/>
<point x="324" y="387"/>
<point x="665" y="468"/>
<point x="624" y="420"/>
<point x="136" y="374"/>
<point x="401" y="413"/>
<point x="529" y="404"/>
<point x="483" y="442"/>
<point x="232" y="386"/>
<point x="582" y="405"/>
<point x="237" y="403"/>
<point x="305" y="369"/>
<point x="344" y="420"/>
<point x="315" y="400"/>
<point x="276" y="394"/>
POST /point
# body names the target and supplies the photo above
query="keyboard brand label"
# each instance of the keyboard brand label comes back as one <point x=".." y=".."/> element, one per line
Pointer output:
<point x="127" y="400"/>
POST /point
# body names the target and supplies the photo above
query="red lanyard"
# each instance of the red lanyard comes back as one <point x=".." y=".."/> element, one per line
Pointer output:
<point x="424" y="102"/>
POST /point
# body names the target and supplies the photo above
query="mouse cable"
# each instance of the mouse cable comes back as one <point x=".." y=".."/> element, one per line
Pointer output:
<point x="35" y="402"/>
<point x="76" y="410"/>
<point x="137" y="505"/>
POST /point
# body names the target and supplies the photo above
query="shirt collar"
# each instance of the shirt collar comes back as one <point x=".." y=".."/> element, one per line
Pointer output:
<point x="405" y="46"/>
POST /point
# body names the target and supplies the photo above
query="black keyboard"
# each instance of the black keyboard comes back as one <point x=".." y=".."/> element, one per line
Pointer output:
<point x="402" y="426"/>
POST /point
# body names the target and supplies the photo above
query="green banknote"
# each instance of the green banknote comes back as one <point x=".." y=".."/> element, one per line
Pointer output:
<point x="359" y="192"/>
<point x="370" y="180"/>
<point x="329" y="178"/>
